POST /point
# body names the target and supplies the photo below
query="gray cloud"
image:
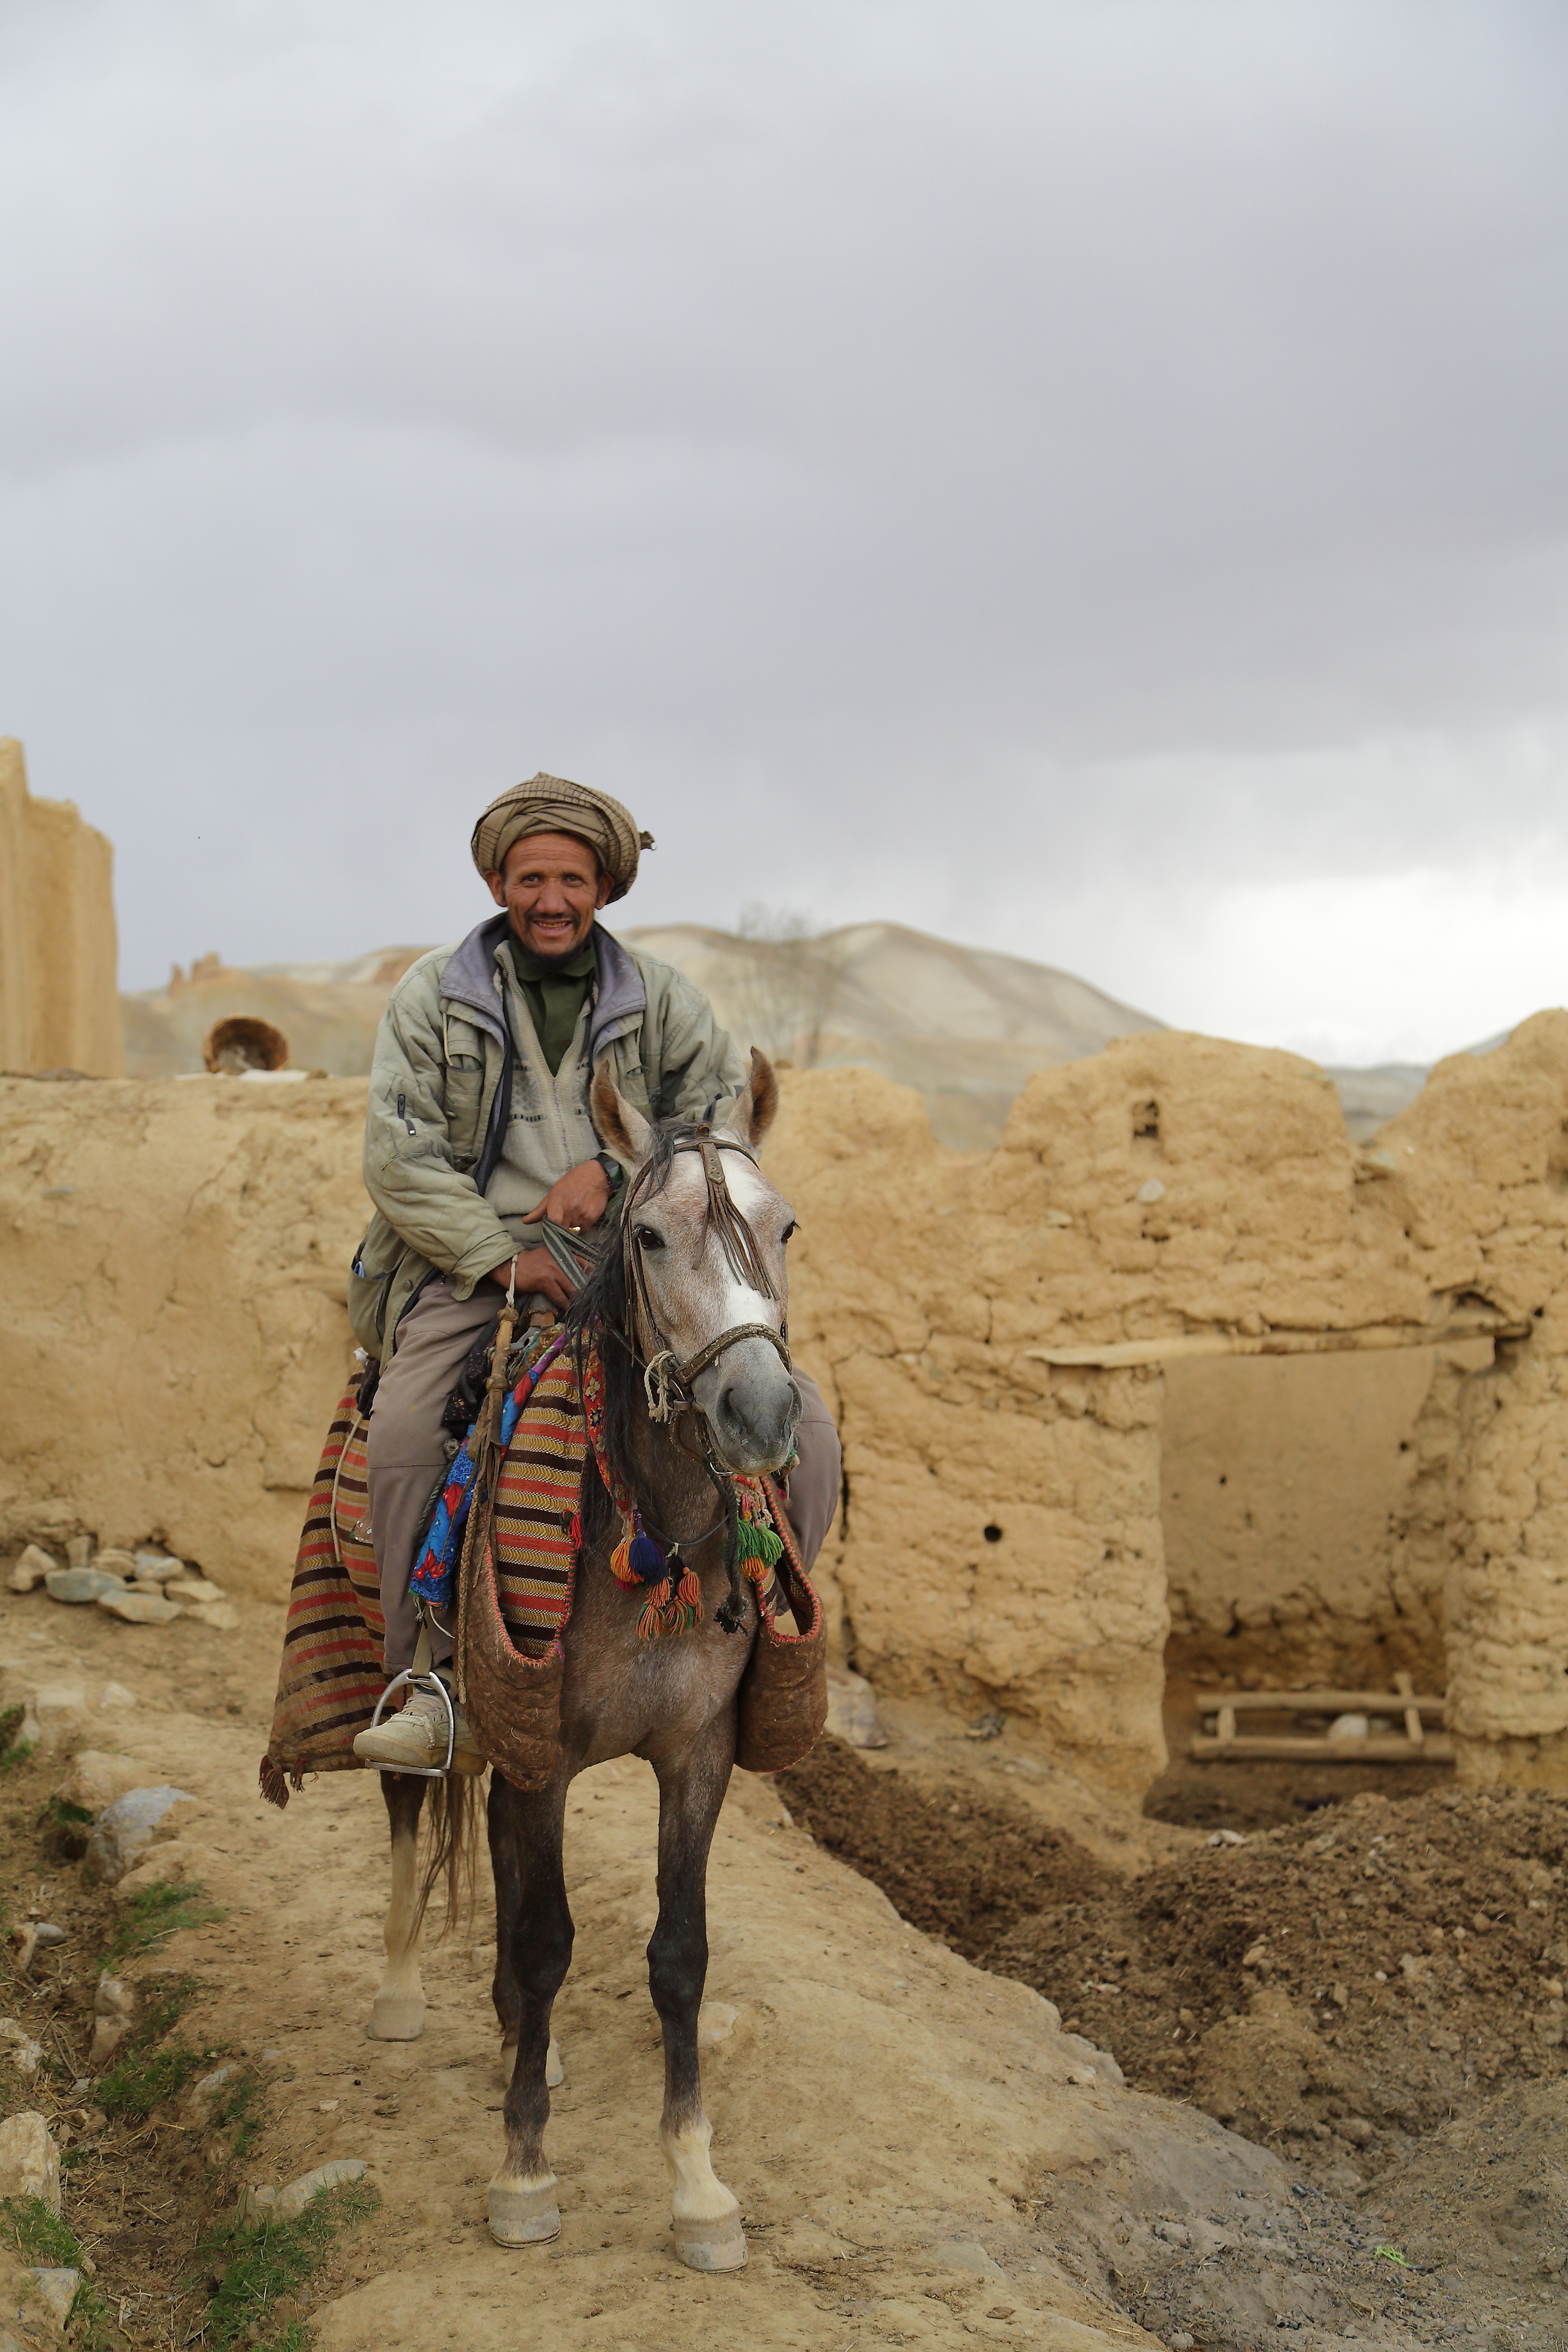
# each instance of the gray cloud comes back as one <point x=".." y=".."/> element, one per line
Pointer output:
<point x="1074" y="443"/>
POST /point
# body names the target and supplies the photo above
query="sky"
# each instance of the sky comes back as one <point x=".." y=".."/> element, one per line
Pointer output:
<point x="1086" y="477"/>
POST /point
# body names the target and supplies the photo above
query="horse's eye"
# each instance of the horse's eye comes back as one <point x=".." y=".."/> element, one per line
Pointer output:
<point x="647" y="1239"/>
<point x="788" y="1233"/>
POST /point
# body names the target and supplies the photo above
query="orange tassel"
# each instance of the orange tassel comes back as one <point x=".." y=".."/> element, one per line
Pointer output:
<point x="650" y="1624"/>
<point x="689" y="1592"/>
<point x="621" y="1561"/>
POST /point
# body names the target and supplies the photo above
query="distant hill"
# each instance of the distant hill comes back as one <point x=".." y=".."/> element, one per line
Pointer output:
<point x="963" y="1025"/>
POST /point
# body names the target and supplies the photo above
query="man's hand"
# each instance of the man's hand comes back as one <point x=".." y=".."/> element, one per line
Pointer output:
<point x="536" y="1270"/>
<point x="577" y="1200"/>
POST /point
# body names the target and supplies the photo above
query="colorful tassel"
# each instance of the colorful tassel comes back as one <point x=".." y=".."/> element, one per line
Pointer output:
<point x="621" y="1562"/>
<point x="689" y="1592"/>
<point x="651" y="1622"/>
<point x="646" y="1560"/>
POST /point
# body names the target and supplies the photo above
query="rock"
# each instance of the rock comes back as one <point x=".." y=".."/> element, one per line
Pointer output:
<point x="852" y="1710"/>
<point x="78" y="1550"/>
<point x="115" y="1694"/>
<point x="123" y="1831"/>
<point x="715" y="2023"/>
<point x="56" y="1708"/>
<point x="1348" y="1727"/>
<point x="291" y="2202"/>
<point x="202" y="2094"/>
<point x="115" y="1563"/>
<point x="194" y="1587"/>
<point x="165" y="1865"/>
<point x="255" y="2206"/>
<point x="96" y="1779"/>
<point x="222" y="1616"/>
<point x="29" y="2160"/>
<point x="26" y="2052"/>
<point x="1083" y="2077"/>
<point x="966" y="2254"/>
<point x="48" y="1933"/>
<point x="108" y="2033"/>
<point x="58" y="2290"/>
<point x="81" y="1585"/>
<point x="139" y="1607"/>
<point x="153" y="1566"/>
<point x="31" y="1570"/>
<point x="115" y="1997"/>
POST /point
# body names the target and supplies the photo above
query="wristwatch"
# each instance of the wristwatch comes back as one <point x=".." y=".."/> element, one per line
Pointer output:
<point x="613" y="1172"/>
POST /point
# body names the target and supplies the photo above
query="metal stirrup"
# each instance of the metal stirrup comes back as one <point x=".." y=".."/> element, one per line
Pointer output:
<point x="419" y="1677"/>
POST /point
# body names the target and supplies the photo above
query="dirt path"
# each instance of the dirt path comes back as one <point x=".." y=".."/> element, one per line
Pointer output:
<point x="923" y="2156"/>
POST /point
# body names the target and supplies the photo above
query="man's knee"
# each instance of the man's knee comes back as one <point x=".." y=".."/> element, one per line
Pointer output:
<point x="817" y="1481"/>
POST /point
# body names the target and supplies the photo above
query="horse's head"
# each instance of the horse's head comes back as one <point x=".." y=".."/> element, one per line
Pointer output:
<point x="704" y="1235"/>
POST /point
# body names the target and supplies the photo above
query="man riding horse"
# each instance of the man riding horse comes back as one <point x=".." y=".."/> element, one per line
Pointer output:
<point x="478" y="1128"/>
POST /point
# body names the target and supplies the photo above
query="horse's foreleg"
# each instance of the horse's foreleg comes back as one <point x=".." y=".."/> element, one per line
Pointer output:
<point x="707" y="2217"/>
<point x="397" y="2012"/>
<point x="533" y="1951"/>
<point x="504" y="1988"/>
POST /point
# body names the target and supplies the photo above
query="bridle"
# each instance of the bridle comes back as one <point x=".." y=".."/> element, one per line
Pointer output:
<point x="667" y="1380"/>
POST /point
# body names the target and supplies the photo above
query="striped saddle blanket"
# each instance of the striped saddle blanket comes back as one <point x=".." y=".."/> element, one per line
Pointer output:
<point x="331" y="1676"/>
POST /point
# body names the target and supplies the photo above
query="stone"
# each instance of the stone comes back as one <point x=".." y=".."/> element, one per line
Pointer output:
<point x="716" y="2022"/>
<point x="30" y="1570"/>
<point x="58" y="2290"/>
<point x="1348" y="1727"/>
<point x="139" y="1607"/>
<point x="255" y="2206"/>
<point x="48" y="1933"/>
<point x="852" y="1710"/>
<point x="194" y="1587"/>
<point x="78" y="1550"/>
<point x="96" y="1779"/>
<point x="108" y="2033"/>
<point x="114" y="1562"/>
<point x="80" y="1585"/>
<point x="155" y="1567"/>
<point x="221" y="1616"/>
<point x="202" y="2094"/>
<point x="56" y="1708"/>
<point x="115" y="1997"/>
<point x="123" y="1831"/>
<point x="29" y="2160"/>
<point x="966" y="2254"/>
<point x="291" y="2202"/>
<point x="115" y="1694"/>
<point x="26" y="2054"/>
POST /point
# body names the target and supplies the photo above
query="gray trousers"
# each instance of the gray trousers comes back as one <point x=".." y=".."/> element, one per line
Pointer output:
<point x="405" y="1456"/>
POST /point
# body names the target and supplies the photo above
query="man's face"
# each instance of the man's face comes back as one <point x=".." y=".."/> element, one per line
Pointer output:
<point x="552" y="888"/>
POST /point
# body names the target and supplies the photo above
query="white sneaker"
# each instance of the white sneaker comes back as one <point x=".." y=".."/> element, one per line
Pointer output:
<point x="416" y="1738"/>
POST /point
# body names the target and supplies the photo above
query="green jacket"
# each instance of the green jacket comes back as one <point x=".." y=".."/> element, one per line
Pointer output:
<point x="436" y="1115"/>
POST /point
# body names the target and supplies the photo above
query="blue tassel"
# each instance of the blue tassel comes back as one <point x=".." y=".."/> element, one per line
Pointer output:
<point x="647" y="1563"/>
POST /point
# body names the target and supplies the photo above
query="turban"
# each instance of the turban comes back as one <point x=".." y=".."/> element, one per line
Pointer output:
<point x="552" y="805"/>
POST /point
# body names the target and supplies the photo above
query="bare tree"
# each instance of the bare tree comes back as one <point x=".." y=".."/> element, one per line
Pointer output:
<point x="787" y="981"/>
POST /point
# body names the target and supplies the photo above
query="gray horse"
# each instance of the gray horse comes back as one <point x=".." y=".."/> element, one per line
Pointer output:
<point x="695" y="1288"/>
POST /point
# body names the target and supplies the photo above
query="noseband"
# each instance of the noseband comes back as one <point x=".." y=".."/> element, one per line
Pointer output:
<point x="666" y="1381"/>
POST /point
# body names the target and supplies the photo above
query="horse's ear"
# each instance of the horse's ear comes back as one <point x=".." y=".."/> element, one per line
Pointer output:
<point x="756" y="1106"/>
<point x="621" y="1129"/>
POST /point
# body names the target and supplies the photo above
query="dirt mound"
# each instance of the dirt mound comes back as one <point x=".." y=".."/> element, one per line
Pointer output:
<point x="1337" y="1989"/>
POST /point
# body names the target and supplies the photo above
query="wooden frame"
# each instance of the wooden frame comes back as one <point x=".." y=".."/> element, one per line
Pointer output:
<point x="1227" y="1745"/>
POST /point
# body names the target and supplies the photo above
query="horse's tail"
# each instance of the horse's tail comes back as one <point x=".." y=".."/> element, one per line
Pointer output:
<point x="451" y="1854"/>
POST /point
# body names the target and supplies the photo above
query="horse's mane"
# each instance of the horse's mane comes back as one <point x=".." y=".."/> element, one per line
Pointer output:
<point x="600" y="1310"/>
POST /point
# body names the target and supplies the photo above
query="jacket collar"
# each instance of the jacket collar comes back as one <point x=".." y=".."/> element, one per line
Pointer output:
<point x="470" y="978"/>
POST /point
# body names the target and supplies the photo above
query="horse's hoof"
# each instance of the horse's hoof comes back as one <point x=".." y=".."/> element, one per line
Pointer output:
<point x="520" y="2216"/>
<point x="712" y="2246"/>
<point x="554" y="2071"/>
<point x="396" y="2017"/>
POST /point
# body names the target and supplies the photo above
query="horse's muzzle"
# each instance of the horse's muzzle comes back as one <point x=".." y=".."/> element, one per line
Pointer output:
<point x="751" y="1407"/>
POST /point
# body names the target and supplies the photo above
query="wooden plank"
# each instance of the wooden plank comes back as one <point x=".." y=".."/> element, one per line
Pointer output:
<point x="1437" y="1750"/>
<point x="1318" y="1702"/>
<point x="1113" y="1355"/>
